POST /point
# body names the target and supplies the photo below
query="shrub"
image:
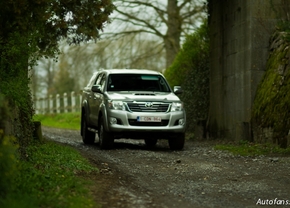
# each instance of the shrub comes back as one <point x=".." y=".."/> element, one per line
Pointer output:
<point x="190" y="70"/>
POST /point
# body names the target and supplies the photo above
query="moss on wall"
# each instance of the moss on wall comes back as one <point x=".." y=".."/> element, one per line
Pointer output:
<point x="271" y="106"/>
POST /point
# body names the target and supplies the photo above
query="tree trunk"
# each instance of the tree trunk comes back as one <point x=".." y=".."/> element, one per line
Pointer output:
<point x="172" y="38"/>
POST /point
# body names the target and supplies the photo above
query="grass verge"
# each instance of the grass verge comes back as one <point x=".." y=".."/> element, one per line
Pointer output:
<point x="62" y="120"/>
<point x="49" y="176"/>
<point x="245" y="148"/>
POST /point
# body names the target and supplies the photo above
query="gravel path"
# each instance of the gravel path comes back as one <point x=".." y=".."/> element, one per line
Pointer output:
<point x="198" y="176"/>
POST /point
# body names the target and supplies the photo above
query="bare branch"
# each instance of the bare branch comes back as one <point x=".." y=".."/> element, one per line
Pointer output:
<point x="161" y="13"/>
<point x="184" y="3"/>
<point x="145" y="23"/>
<point x="129" y="32"/>
<point x="196" y="11"/>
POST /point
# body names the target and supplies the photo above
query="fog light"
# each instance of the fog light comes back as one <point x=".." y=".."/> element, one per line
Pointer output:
<point x="181" y="122"/>
<point x="113" y="120"/>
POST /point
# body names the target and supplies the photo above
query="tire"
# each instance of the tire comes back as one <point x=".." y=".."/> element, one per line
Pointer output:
<point x="106" y="139"/>
<point x="150" y="142"/>
<point x="177" y="143"/>
<point x="88" y="136"/>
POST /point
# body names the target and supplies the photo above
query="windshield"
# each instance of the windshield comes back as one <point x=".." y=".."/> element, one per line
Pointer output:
<point x="137" y="82"/>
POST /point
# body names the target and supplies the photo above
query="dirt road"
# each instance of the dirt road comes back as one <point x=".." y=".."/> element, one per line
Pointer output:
<point x="199" y="176"/>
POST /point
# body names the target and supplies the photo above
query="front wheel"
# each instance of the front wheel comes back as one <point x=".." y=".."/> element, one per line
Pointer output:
<point x="177" y="143"/>
<point x="88" y="136"/>
<point x="106" y="139"/>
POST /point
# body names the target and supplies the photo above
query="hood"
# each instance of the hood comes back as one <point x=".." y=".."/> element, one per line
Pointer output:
<point x="142" y="96"/>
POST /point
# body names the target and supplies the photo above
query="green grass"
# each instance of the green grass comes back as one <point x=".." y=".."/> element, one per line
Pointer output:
<point x="62" y="120"/>
<point x="245" y="148"/>
<point x="48" y="177"/>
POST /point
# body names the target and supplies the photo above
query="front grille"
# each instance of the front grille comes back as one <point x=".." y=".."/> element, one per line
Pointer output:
<point x="148" y="107"/>
<point x="134" y="122"/>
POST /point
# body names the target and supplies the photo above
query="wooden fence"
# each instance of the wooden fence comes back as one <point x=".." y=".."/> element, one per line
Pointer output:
<point x="67" y="102"/>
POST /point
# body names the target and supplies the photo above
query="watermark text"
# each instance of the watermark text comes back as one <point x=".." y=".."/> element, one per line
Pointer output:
<point x="275" y="201"/>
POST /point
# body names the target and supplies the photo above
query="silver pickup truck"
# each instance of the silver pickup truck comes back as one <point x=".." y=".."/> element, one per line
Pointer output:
<point x="135" y="104"/>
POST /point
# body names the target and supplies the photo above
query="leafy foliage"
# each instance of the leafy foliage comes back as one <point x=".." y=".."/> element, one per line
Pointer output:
<point x="190" y="70"/>
<point x="31" y="29"/>
<point x="46" y="21"/>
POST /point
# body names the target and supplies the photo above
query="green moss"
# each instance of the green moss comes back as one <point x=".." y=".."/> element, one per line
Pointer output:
<point x="272" y="102"/>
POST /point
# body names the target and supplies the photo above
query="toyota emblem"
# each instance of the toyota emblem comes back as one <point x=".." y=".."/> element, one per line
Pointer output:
<point x="148" y="105"/>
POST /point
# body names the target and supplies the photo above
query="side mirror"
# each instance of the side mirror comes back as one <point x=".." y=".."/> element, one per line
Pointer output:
<point x="96" y="88"/>
<point x="177" y="90"/>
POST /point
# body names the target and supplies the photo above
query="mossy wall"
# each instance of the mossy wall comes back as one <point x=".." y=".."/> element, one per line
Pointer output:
<point x="239" y="48"/>
<point x="271" y="108"/>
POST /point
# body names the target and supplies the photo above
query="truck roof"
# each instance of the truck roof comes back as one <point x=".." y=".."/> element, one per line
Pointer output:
<point x="132" y="71"/>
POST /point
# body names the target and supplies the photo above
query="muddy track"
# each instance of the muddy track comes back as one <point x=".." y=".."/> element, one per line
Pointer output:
<point x="131" y="175"/>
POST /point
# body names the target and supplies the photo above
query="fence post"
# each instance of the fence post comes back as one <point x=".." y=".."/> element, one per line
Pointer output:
<point x="41" y="105"/>
<point x="73" y="101"/>
<point x="36" y="106"/>
<point x="65" y="103"/>
<point x="80" y="98"/>
<point x="70" y="102"/>
<point x="57" y="103"/>
<point x="46" y="105"/>
<point x="50" y="104"/>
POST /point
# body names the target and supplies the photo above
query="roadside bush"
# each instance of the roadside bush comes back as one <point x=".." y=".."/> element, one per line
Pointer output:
<point x="190" y="70"/>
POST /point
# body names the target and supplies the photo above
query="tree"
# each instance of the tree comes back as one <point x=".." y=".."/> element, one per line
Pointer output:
<point x="168" y="21"/>
<point x="31" y="29"/>
<point x="63" y="81"/>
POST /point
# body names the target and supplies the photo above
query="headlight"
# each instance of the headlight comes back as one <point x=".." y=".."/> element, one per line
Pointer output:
<point x="117" y="105"/>
<point x="177" y="107"/>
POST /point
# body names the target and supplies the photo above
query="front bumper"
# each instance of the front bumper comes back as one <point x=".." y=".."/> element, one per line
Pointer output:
<point x="128" y="126"/>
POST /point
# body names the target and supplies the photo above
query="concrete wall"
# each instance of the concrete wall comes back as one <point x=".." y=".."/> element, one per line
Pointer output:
<point x="239" y="33"/>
